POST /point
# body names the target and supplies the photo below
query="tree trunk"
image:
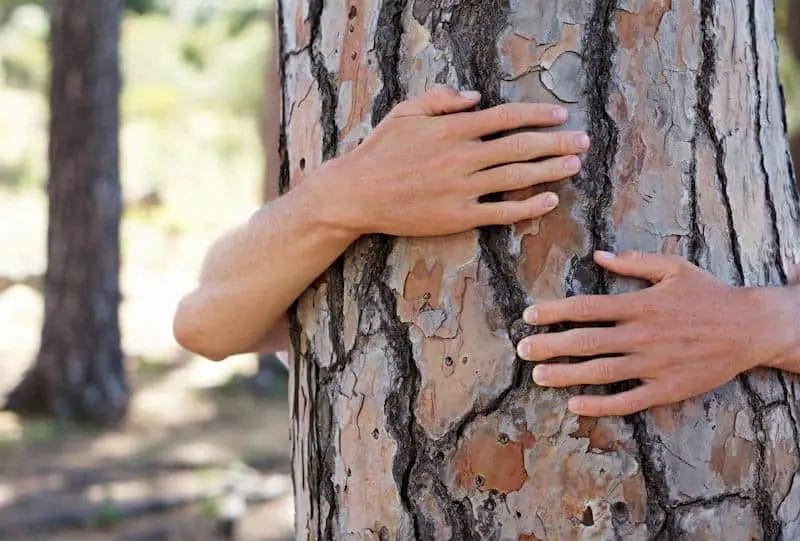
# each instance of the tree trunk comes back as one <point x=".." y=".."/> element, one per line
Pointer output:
<point x="412" y="417"/>
<point x="79" y="372"/>
<point x="271" y="115"/>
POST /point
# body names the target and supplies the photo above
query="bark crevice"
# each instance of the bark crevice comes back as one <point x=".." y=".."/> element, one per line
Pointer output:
<point x="708" y="71"/>
<point x="777" y="259"/>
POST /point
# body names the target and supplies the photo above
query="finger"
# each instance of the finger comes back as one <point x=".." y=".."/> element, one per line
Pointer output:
<point x="523" y="175"/>
<point x="651" y="267"/>
<point x="523" y="147"/>
<point x="581" y="309"/>
<point x="439" y="100"/>
<point x="625" y="403"/>
<point x="510" y="116"/>
<point x="594" y="372"/>
<point x="573" y="343"/>
<point x="511" y="212"/>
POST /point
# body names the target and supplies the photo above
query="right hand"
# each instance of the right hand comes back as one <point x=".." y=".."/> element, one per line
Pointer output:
<point x="422" y="170"/>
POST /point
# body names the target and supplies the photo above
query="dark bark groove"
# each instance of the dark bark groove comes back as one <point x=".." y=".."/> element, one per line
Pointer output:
<point x="512" y="463"/>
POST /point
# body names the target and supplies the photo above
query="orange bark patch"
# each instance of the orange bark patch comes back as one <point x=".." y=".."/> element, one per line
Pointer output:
<point x="490" y="461"/>
<point x="599" y="436"/>
<point x="554" y="243"/>
<point x="732" y="459"/>
<point x="424" y="284"/>
<point x="633" y="27"/>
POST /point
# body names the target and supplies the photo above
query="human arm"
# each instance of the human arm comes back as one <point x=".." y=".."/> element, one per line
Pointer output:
<point x="420" y="173"/>
<point x="687" y="334"/>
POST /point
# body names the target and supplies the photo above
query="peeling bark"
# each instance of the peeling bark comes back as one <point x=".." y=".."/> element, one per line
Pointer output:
<point x="412" y="416"/>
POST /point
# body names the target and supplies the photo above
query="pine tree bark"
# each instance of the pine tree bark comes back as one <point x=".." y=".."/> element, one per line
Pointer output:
<point x="79" y="371"/>
<point x="412" y="417"/>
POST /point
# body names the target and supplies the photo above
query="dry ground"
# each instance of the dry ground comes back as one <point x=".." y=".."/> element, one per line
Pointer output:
<point x="201" y="456"/>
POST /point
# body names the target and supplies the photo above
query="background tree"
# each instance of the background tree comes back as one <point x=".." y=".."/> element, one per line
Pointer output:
<point x="79" y="371"/>
<point x="411" y="415"/>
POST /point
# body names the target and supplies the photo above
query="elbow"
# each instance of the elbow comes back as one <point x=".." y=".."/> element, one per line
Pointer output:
<point x="190" y="332"/>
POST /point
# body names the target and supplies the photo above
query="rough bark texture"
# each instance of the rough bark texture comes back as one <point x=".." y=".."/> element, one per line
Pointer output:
<point x="412" y="418"/>
<point x="79" y="371"/>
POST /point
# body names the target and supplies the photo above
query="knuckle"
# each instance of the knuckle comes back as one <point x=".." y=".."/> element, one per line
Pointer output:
<point x="565" y="143"/>
<point x="449" y="160"/>
<point x="400" y="109"/>
<point x="519" y="145"/>
<point x="558" y="169"/>
<point x="444" y="129"/>
<point x="501" y="215"/>
<point x="632" y="405"/>
<point x="677" y="263"/>
<point x="585" y="342"/>
<point x="505" y="114"/>
<point x="644" y="336"/>
<point x="585" y="306"/>
<point x="604" y="372"/>
<point x="634" y="254"/>
<point x="515" y="175"/>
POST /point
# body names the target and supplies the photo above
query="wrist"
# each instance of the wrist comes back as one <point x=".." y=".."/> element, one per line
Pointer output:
<point x="335" y="206"/>
<point x="777" y="310"/>
<point x="324" y="202"/>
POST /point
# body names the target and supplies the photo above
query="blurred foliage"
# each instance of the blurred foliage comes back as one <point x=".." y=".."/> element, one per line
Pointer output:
<point x="191" y="104"/>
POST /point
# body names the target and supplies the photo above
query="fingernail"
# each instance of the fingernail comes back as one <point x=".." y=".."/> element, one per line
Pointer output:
<point x="602" y="254"/>
<point x="551" y="201"/>
<point x="574" y="405"/>
<point x="540" y="373"/>
<point x="573" y="163"/>
<point x="560" y="114"/>
<point x="472" y="95"/>
<point x="524" y="349"/>
<point x="582" y="141"/>
<point x="530" y="315"/>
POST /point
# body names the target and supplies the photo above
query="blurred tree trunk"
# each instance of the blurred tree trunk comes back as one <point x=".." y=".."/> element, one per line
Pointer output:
<point x="794" y="26"/>
<point x="271" y="116"/>
<point x="269" y="366"/>
<point x="412" y="417"/>
<point x="79" y="372"/>
<point x="793" y="32"/>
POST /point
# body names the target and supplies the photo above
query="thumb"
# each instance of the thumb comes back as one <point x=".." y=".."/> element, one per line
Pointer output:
<point x="439" y="100"/>
<point x="651" y="267"/>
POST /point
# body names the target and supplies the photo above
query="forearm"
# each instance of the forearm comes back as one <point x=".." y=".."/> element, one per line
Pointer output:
<point x="253" y="274"/>
<point x="783" y="326"/>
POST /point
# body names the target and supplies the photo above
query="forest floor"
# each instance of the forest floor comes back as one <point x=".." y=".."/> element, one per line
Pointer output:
<point x="204" y="453"/>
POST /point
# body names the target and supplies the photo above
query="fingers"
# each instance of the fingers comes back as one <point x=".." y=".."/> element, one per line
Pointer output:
<point x="573" y="343"/>
<point x="626" y="403"/>
<point x="523" y="147"/>
<point x="517" y="176"/>
<point x="594" y="372"/>
<point x="439" y="100"/>
<point x="511" y="212"/>
<point x="651" y="267"/>
<point x="580" y="309"/>
<point x="509" y="116"/>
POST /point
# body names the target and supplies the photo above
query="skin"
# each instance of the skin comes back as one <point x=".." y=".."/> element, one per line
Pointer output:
<point x="419" y="173"/>
<point x="685" y="335"/>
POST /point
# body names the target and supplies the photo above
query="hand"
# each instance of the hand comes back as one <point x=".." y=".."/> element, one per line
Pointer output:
<point x="422" y="170"/>
<point x="686" y="335"/>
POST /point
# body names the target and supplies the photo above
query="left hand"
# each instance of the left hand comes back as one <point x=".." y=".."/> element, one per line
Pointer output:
<point x="686" y="335"/>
